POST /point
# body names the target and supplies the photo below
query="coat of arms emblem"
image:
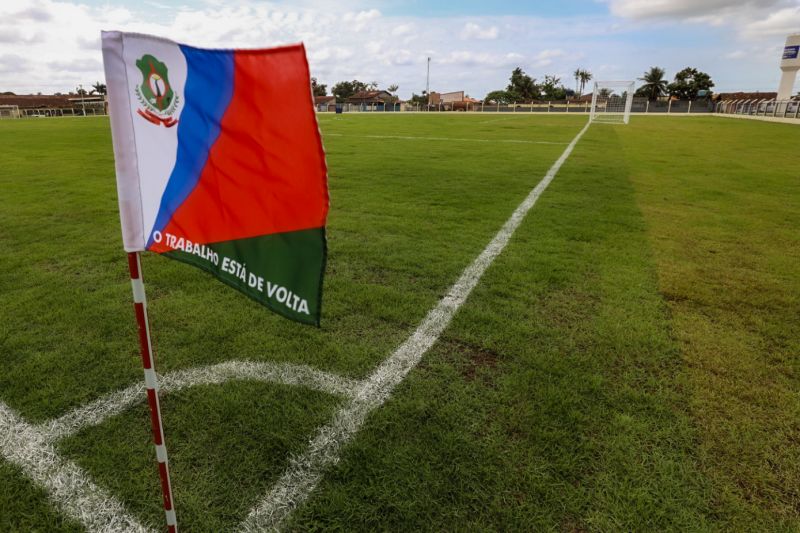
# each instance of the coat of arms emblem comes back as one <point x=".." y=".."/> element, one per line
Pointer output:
<point x="159" y="102"/>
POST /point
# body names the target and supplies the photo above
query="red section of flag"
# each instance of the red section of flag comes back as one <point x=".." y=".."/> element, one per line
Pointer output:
<point x="266" y="172"/>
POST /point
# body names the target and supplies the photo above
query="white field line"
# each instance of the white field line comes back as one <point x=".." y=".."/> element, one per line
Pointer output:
<point x="96" y="412"/>
<point x="503" y="118"/>
<point x="305" y="471"/>
<point x="67" y="485"/>
<point x="448" y="139"/>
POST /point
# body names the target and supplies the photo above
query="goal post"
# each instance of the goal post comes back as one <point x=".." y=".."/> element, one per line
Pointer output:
<point x="612" y="101"/>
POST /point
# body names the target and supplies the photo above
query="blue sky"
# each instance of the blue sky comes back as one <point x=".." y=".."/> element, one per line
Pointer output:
<point x="53" y="45"/>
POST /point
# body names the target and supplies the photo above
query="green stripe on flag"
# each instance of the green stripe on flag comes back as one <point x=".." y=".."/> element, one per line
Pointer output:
<point x="282" y="271"/>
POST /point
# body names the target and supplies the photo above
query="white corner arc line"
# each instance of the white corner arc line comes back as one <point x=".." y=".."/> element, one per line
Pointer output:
<point x="68" y="486"/>
<point x="112" y="404"/>
<point x="306" y="470"/>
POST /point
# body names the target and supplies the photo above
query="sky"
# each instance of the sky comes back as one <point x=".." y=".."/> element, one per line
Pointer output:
<point x="53" y="46"/>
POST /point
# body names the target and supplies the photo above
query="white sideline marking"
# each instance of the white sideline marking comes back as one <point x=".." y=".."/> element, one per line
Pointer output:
<point x="99" y="410"/>
<point x="305" y="471"/>
<point x="412" y="138"/>
<point x="67" y="484"/>
<point x="31" y="447"/>
<point x="513" y="115"/>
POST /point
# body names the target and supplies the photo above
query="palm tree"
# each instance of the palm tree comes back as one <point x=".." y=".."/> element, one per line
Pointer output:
<point x="99" y="88"/>
<point x="654" y="83"/>
<point x="577" y="76"/>
<point x="585" y="77"/>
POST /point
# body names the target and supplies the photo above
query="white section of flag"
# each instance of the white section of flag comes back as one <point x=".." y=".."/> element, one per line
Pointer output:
<point x="144" y="152"/>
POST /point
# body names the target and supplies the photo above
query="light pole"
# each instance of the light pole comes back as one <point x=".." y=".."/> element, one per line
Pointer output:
<point x="83" y="104"/>
<point x="428" y="82"/>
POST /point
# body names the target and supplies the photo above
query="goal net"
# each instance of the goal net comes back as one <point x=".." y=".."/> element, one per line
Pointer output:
<point x="611" y="101"/>
<point x="9" y="111"/>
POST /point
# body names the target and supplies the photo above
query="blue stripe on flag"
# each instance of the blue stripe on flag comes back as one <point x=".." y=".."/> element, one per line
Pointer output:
<point x="208" y="91"/>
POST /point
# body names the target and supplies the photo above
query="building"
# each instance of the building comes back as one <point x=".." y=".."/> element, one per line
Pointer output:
<point x="454" y="100"/>
<point x="372" y="98"/>
<point x="325" y="103"/>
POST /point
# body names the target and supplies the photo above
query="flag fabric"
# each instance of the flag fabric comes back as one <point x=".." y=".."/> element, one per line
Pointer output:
<point x="220" y="164"/>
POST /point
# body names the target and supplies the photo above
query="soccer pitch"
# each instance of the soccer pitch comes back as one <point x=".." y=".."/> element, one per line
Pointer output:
<point x="627" y="362"/>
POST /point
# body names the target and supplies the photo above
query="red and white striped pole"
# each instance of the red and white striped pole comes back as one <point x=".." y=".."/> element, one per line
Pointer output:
<point x="151" y="382"/>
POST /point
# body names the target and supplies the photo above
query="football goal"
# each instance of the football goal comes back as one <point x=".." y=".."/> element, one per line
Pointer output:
<point x="611" y="102"/>
<point x="9" y="111"/>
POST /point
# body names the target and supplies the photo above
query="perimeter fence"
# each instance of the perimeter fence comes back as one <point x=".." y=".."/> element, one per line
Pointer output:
<point x="760" y="108"/>
<point x="640" y="105"/>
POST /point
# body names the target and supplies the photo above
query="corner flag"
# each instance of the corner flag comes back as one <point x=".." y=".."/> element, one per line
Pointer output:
<point x="220" y="164"/>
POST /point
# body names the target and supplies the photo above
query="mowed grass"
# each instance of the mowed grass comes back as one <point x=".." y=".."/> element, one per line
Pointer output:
<point x="628" y="363"/>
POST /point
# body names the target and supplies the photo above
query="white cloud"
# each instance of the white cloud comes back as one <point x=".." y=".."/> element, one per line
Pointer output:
<point x="777" y="23"/>
<point x="76" y="65"/>
<point x="468" y="58"/>
<point x="400" y="58"/>
<point x="546" y="57"/>
<point x="736" y="54"/>
<point x="473" y="31"/>
<point x="55" y="43"/>
<point x="35" y="13"/>
<point x="749" y="19"/>
<point x="14" y="35"/>
<point x="359" y="20"/>
<point x="12" y="64"/>
<point x="651" y="9"/>
<point x="374" y="47"/>
<point x="402" y="29"/>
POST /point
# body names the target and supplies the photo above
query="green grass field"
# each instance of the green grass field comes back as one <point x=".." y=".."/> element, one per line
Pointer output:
<point x="628" y="363"/>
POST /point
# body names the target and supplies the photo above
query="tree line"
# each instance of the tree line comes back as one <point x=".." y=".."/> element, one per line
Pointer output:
<point x="345" y="89"/>
<point x="688" y="83"/>
<point x="523" y="88"/>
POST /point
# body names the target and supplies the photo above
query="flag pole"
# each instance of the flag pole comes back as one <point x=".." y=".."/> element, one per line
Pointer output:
<point x="151" y="382"/>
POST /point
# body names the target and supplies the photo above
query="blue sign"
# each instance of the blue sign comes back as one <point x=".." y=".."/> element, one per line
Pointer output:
<point x="790" y="52"/>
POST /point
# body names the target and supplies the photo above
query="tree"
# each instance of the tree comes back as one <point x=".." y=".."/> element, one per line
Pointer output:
<point x="521" y="87"/>
<point x="688" y="82"/>
<point x="552" y="89"/>
<point x="418" y="99"/>
<point x="99" y="88"/>
<point x="393" y="88"/>
<point x="654" y="83"/>
<point x="499" y="97"/>
<point x="80" y="91"/>
<point x="319" y="89"/>
<point x="372" y="86"/>
<point x="577" y="77"/>
<point x="345" y="89"/>
<point x="585" y="78"/>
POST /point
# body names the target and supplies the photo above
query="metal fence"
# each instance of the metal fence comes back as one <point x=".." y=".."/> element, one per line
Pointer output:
<point x="760" y="108"/>
<point x="640" y="105"/>
<point x="6" y="112"/>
